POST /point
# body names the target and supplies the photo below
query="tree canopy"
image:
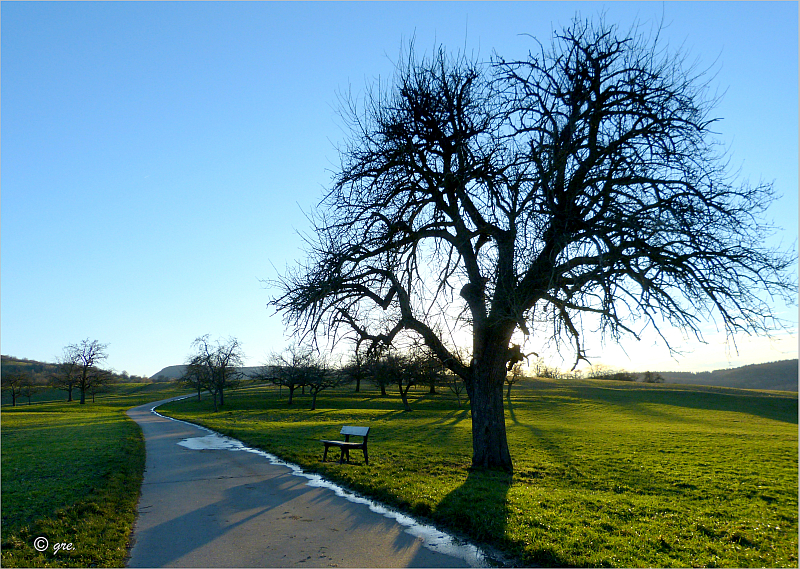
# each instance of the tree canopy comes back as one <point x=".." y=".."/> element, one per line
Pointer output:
<point x="579" y="185"/>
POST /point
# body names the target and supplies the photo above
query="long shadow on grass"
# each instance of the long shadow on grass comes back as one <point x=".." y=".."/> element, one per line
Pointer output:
<point x="479" y="508"/>
<point x="776" y="408"/>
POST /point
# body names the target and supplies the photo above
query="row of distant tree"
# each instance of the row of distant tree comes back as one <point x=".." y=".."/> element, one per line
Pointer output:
<point x="77" y="372"/>
<point x="217" y="366"/>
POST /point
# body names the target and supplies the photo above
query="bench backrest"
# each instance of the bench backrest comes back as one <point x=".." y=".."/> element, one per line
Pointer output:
<point x="358" y="431"/>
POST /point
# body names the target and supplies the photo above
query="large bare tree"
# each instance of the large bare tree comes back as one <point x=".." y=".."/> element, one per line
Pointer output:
<point x="577" y="190"/>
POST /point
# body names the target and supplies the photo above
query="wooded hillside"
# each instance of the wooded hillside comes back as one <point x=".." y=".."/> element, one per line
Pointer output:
<point x="780" y="376"/>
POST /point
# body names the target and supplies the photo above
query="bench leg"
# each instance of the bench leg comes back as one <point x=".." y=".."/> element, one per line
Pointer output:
<point x="325" y="454"/>
<point x="366" y="459"/>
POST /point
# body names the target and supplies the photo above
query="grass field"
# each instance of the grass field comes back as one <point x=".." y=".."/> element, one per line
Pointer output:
<point x="71" y="473"/>
<point x="606" y="473"/>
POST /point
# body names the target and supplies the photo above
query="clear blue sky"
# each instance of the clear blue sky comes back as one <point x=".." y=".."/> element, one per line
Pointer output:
<point x="157" y="156"/>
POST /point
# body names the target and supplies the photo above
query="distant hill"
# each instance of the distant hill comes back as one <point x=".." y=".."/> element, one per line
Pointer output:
<point x="43" y="370"/>
<point x="779" y="376"/>
<point x="176" y="372"/>
<point x="169" y="373"/>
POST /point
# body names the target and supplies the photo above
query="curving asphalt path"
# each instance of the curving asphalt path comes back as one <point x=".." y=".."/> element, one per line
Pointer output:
<point x="222" y="508"/>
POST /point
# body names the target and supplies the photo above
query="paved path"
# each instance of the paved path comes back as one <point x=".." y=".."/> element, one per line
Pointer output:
<point x="223" y="508"/>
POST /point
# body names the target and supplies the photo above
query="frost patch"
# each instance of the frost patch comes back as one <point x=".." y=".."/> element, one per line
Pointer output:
<point x="212" y="442"/>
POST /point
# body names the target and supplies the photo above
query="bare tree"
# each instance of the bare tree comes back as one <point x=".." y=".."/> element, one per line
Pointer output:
<point x="514" y="376"/>
<point x="30" y="388"/>
<point x="100" y="383"/>
<point x="289" y="368"/>
<point x="652" y="377"/>
<point x="217" y="366"/>
<point x="196" y="376"/>
<point x="65" y="376"/>
<point x="578" y="188"/>
<point x="14" y="382"/>
<point x="319" y="376"/>
<point x="402" y="369"/>
<point x="379" y="371"/>
<point x="356" y="368"/>
<point x="455" y="384"/>
<point x="80" y="369"/>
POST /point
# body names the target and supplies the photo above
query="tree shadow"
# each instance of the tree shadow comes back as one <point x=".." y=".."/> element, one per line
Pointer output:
<point x="774" y="407"/>
<point x="479" y="508"/>
<point x="510" y="406"/>
<point x="452" y="418"/>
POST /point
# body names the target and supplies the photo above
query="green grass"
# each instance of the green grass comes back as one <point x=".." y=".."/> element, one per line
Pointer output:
<point x="605" y="473"/>
<point x="71" y="473"/>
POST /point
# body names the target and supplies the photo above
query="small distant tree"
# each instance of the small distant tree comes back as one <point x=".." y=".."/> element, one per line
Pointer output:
<point x="387" y="368"/>
<point x="319" y="376"/>
<point x="456" y="385"/>
<point x="405" y="370"/>
<point x="598" y="371"/>
<point x="65" y="376"/>
<point x="453" y="381"/>
<point x="430" y="369"/>
<point x="13" y="382"/>
<point x="289" y="368"/>
<point x="196" y="377"/>
<point x="652" y="377"/>
<point x="221" y="362"/>
<point x="30" y="388"/>
<point x="624" y="375"/>
<point x="357" y="367"/>
<point x="602" y="371"/>
<point x="541" y="369"/>
<point x="81" y="367"/>
<point x="380" y="373"/>
<point x="101" y="383"/>
<point x="515" y="375"/>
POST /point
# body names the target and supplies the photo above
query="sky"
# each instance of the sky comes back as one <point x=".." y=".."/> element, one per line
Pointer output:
<point x="157" y="158"/>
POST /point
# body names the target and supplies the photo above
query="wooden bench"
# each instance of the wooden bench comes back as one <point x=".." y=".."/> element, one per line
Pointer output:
<point x="345" y="446"/>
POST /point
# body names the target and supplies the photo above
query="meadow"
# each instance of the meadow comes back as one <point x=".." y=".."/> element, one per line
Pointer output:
<point x="605" y="473"/>
<point x="71" y="473"/>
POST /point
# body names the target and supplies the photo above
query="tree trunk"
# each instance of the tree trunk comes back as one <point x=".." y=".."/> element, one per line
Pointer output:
<point x="291" y="393"/>
<point x="69" y="395"/>
<point x="358" y="384"/>
<point x="83" y="397"/>
<point x="404" y="395"/>
<point x="485" y="390"/>
<point x="313" y="400"/>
